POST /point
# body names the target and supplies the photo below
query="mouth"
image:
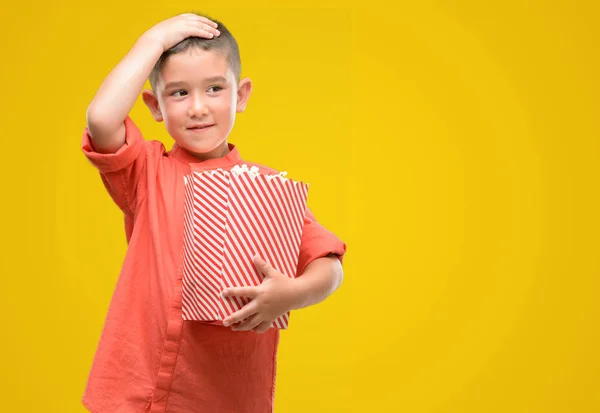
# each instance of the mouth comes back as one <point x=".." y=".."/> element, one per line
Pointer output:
<point x="200" y="128"/>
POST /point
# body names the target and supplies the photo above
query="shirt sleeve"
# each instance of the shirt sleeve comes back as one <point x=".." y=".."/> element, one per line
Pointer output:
<point x="317" y="242"/>
<point x="121" y="171"/>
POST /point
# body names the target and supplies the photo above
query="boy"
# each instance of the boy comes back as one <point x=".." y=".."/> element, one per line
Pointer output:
<point x="149" y="359"/>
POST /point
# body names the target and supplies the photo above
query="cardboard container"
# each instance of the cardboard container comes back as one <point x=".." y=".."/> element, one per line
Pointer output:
<point x="230" y="216"/>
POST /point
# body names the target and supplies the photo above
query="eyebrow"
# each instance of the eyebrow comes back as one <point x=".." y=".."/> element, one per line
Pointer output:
<point x="208" y="79"/>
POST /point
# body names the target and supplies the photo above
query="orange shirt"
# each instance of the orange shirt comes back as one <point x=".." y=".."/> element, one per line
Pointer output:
<point x="149" y="359"/>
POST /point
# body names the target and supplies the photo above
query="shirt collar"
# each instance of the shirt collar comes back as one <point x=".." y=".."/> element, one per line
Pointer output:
<point x="229" y="160"/>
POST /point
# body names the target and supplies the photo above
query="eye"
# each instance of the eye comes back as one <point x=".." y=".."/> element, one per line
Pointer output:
<point x="218" y="87"/>
<point x="177" y="91"/>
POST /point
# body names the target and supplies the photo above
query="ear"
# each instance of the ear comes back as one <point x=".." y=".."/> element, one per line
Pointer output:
<point x="243" y="94"/>
<point x="151" y="101"/>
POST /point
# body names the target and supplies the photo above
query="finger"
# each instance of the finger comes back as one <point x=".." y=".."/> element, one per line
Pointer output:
<point x="207" y="20"/>
<point x="251" y="292"/>
<point x="247" y="311"/>
<point x="262" y="327"/>
<point x="204" y="30"/>
<point x="210" y="25"/>
<point x="248" y="324"/>
<point x="263" y="266"/>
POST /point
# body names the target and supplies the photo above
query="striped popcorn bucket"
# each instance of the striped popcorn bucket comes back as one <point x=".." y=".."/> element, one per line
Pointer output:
<point x="230" y="216"/>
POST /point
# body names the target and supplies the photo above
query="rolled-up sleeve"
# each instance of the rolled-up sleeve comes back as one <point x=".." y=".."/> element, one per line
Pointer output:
<point x="317" y="242"/>
<point x="121" y="171"/>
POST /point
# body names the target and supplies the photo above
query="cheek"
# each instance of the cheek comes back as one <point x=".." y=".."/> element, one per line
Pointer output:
<point x="222" y="103"/>
<point x="223" y="108"/>
<point x="175" y="113"/>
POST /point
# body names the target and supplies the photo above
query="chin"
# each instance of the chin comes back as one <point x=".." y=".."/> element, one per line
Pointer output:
<point x="202" y="148"/>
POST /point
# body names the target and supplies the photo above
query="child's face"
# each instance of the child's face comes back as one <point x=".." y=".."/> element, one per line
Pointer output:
<point x="207" y="93"/>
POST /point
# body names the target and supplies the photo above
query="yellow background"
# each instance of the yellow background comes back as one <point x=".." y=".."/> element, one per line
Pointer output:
<point x="453" y="145"/>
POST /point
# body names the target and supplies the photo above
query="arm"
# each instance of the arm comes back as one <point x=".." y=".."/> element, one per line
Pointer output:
<point x="319" y="274"/>
<point x="279" y="293"/>
<point x="114" y="100"/>
<point x="111" y="140"/>
<point x="318" y="281"/>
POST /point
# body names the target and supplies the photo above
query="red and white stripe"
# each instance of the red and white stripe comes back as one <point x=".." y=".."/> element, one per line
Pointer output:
<point x="231" y="217"/>
<point x="204" y="228"/>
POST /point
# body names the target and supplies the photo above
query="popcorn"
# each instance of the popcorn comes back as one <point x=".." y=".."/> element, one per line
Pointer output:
<point x="230" y="216"/>
<point x="254" y="171"/>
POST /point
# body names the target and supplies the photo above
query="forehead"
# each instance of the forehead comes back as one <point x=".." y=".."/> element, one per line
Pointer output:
<point x="195" y="65"/>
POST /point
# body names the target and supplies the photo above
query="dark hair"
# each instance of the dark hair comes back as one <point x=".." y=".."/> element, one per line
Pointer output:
<point x="224" y="43"/>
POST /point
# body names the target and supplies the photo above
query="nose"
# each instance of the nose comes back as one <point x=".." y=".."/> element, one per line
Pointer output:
<point x="197" y="107"/>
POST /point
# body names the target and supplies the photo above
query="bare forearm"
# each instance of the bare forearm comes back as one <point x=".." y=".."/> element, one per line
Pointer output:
<point x="318" y="281"/>
<point x="117" y="94"/>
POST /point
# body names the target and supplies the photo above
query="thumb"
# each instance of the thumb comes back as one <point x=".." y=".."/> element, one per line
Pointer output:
<point x="262" y="265"/>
